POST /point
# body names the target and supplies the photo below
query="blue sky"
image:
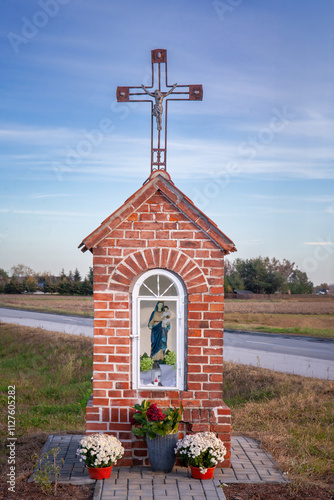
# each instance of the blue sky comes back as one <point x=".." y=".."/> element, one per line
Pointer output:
<point x="256" y="155"/>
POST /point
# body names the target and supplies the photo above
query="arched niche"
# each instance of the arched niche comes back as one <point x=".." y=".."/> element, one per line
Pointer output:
<point x="158" y="326"/>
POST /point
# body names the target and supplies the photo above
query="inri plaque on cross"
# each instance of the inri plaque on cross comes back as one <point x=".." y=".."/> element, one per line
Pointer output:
<point x="159" y="98"/>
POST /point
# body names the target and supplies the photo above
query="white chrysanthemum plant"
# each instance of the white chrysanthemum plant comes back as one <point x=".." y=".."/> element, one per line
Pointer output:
<point x="100" y="450"/>
<point x="203" y="450"/>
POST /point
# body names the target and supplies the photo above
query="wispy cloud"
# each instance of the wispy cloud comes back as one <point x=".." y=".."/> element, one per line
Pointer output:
<point x="117" y="155"/>
<point x="54" y="195"/>
<point x="24" y="133"/>
<point x="50" y="213"/>
<point x="318" y="243"/>
<point x="294" y="197"/>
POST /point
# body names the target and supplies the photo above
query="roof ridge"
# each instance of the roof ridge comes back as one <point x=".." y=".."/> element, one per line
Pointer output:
<point x="175" y="196"/>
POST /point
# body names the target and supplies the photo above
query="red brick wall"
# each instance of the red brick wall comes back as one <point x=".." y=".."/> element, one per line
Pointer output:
<point x="157" y="235"/>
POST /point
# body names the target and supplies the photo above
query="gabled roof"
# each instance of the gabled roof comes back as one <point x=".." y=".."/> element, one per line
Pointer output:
<point x="158" y="181"/>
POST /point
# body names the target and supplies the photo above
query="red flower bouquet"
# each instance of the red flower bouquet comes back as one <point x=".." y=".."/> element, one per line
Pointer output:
<point x="150" y="421"/>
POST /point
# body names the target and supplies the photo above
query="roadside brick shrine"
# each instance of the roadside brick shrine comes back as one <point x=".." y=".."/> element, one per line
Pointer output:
<point x="158" y="247"/>
<point x="158" y="296"/>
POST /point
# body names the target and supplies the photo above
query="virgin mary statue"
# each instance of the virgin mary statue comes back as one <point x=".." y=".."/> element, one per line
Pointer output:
<point x="159" y="328"/>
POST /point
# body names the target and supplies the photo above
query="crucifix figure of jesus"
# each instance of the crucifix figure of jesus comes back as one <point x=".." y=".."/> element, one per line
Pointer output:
<point x="158" y="108"/>
<point x="161" y="97"/>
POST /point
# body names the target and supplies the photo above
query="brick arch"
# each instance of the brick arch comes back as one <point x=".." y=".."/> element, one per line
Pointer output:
<point x="165" y="258"/>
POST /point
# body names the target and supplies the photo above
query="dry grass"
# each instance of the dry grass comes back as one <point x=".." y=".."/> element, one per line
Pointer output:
<point x="306" y="316"/>
<point x="312" y="305"/>
<point x="312" y="315"/>
<point x="82" y="306"/>
<point x="292" y="417"/>
<point x="319" y="321"/>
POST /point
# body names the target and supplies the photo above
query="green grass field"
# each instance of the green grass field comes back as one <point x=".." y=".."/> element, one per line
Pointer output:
<point x="51" y="373"/>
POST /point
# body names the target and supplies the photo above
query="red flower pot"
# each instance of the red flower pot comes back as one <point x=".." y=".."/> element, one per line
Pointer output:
<point x="196" y="473"/>
<point x="99" y="472"/>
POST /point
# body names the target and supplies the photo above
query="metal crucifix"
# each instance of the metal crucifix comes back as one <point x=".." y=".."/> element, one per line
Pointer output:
<point x="159" y="133"/>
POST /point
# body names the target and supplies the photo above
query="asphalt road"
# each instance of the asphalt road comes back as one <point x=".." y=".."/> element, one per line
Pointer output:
<point x="293" y="345"/>
<point x="306" y="356"/>
<point x="75" y="325"/>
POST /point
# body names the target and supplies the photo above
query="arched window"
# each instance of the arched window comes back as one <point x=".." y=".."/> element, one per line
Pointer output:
<point x="158" y="324"/>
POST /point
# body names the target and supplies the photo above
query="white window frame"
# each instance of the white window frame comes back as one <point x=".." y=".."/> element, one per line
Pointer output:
<point x="179" y="299"/>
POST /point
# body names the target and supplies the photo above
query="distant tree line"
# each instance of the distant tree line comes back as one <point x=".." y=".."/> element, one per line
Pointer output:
<point x="265" y="275"/>
<point x="23" y="279"/>
<point x="258" y="275"/>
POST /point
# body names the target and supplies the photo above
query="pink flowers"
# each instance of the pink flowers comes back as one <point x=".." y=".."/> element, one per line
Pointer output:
<point x="155" y="414"/>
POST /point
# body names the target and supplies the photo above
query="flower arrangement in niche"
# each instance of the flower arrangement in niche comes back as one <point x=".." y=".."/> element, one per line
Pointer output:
<point x="150" y="421"/>
<point x="203" y="450"/>
<point x="146" y="363"/>
<point x="100" y="450"/>
<point x="169" y="359"/>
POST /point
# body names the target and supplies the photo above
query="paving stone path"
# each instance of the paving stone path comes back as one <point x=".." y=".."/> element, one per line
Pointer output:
<point x="250" y="464"/>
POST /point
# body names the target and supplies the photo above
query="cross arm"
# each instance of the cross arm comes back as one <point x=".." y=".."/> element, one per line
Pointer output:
<point x="193" y="93"/>
<point x="123" y="94"/>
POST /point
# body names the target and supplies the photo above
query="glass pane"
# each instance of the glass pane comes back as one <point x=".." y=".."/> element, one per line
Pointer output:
<point x="149" y="287"/>
<point x="158" y="343"/>
<point x="167" y="286"/>
<point x="158" y="285"/>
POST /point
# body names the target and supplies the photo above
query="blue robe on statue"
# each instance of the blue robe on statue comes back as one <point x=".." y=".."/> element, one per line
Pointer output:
<point x="158" y="335"/>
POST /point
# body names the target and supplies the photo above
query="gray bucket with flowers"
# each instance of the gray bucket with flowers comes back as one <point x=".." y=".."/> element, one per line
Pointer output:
<point x="160" y="430"/>
<point x="161" y="452"/>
